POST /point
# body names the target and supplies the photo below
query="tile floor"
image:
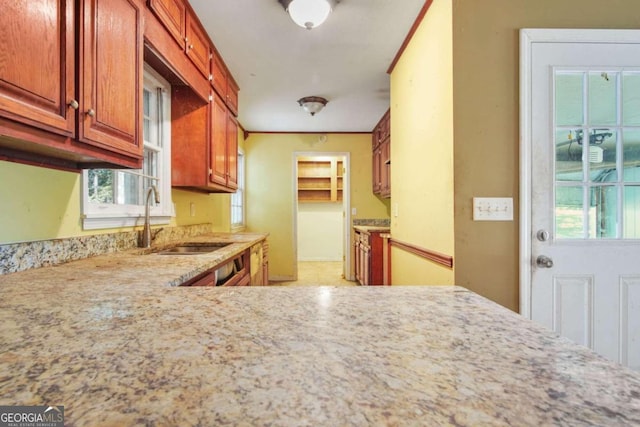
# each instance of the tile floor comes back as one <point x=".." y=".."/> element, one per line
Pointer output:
<point x="315" y="273"/>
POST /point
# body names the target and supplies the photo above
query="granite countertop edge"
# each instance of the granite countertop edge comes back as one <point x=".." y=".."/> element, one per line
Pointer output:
<point x="142" y="266"/>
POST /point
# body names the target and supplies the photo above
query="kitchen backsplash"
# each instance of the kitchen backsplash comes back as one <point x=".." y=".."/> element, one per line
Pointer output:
<point x="23" y="256"/>
<point x="379" y="222"/>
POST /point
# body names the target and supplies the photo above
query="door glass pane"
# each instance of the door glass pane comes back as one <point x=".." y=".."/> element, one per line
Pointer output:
<point x="602" y="155"/>
<point x="569" y="213"/>
<point x="603" y="101"/>
<point x="632" y="212"/>
<point x="568" y="155"/>
<point x="569" y="99"/>
<point x="631" y="157"/>
<point x="603" y="212"/>
<point x="630" y="99"/>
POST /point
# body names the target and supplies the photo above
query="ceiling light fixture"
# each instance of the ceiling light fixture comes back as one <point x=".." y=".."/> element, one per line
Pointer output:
<point x="312" y="104"/>
<point x="308" y="13"/>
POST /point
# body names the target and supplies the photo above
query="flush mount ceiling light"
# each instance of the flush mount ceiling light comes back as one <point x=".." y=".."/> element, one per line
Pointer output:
<point x="308" y="13"/>
<point x="312" y="104"/>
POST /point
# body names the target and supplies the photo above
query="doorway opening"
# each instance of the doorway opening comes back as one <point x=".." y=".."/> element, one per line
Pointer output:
<point x="321" y="229"/>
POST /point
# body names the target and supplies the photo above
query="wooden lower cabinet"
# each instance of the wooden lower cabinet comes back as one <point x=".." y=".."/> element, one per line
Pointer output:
<point x="368" y="255"/>
<point x="258" y="264"/>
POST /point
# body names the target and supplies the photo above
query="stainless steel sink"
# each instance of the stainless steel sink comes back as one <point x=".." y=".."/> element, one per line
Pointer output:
<point x="193" y="248"/>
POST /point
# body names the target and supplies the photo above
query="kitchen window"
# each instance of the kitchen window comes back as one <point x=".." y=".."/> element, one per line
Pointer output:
<point x="116" y="197"/>
<point x="237" y="198"/>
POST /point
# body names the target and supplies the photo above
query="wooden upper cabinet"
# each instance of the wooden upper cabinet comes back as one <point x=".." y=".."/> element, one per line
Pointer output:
<point x="111" y="75"/>
<point x="224" y="146"/>
<point x="71" y="82"/>
<point x="190" y="117"/>
<point x="37" y="64"/>
<point x="218" y="154"/>
<point x="219" y="75"/>
<point x="232" y="152"/>
<point x="232" y="95"/>
<point x="197" y="45"/>
<point x="172" y="14"/>
<point x="204" y="143"/>
<point x="381" y="156"/>
<point x="223" y="83"/>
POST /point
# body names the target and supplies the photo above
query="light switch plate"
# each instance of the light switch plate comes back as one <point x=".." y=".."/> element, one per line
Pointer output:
<point x="493" y="209"/>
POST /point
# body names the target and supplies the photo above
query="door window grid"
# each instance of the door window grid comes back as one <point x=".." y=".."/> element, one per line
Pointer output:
<point x="593" y="141"/>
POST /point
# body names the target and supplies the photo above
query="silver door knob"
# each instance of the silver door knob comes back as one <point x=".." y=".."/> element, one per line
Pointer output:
<point x="91" y="112"/>
<point x="544" y="261"/>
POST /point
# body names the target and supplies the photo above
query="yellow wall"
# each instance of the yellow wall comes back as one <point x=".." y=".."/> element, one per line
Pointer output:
<point x="422" y="150"/>
<point x="40" y="204"/>
<point x="486" y="123"/>
<point x="270" y="198"/>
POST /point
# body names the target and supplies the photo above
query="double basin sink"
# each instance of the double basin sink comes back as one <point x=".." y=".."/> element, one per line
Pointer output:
<point x="193" y="248"/>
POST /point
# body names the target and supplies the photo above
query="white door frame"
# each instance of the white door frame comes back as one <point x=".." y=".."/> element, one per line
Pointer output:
<point x="528" y="37"/>
<point x="346" y="206"/>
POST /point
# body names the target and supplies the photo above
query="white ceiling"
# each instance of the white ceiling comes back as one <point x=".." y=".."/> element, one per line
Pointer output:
<point x="275" y="62"/>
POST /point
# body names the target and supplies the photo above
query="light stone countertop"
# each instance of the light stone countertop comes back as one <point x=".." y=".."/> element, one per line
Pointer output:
<point x="118" y="346"/>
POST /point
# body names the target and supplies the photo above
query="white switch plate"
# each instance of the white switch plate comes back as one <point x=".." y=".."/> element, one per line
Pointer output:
<point x="354" y="211"/>
<point x="493" y="209"/>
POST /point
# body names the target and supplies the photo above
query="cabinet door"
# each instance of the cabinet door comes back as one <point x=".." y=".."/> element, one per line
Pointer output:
<point x="219" y="75"/>
<point x="356" y="255"/>
<point x="232" y="96"/>
<point x="232" y="152"/>
<point x="111" y="75"/>
<point x="37" y="63"/>
<point x="218" y="154"/>
<point x="366" y="265"/>
<point x="197" y="45"/>
<point x="172" y="14"/>
<point x="377" y="172"/>
<point x="385" y="168"/>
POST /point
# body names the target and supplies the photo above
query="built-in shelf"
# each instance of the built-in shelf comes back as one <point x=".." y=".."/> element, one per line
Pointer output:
<point x="320" y="179"/>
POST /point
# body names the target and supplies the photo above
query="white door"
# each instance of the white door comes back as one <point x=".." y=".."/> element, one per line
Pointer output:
<point x="581" y="167"/>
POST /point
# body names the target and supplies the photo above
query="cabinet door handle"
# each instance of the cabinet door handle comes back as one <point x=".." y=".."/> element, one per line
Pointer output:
<point x="74" y="104"/>
<point x="190" y="46"/>
<point x="91" y="112"/>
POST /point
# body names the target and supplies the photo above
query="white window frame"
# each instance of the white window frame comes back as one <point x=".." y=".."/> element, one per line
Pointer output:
<point x="106" y="215"/>
<point x="240" y="194"/>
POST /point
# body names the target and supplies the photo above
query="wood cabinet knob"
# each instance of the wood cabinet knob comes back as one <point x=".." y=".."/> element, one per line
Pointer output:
<point x="91" y="112"/>
<point x="74" y="104"/>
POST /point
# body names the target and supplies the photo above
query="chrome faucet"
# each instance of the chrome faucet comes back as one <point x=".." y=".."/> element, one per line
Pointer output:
<point x="146" y="231"/>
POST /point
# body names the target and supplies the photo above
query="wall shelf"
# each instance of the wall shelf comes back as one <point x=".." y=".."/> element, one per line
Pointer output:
<point x="320" y="179"/>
